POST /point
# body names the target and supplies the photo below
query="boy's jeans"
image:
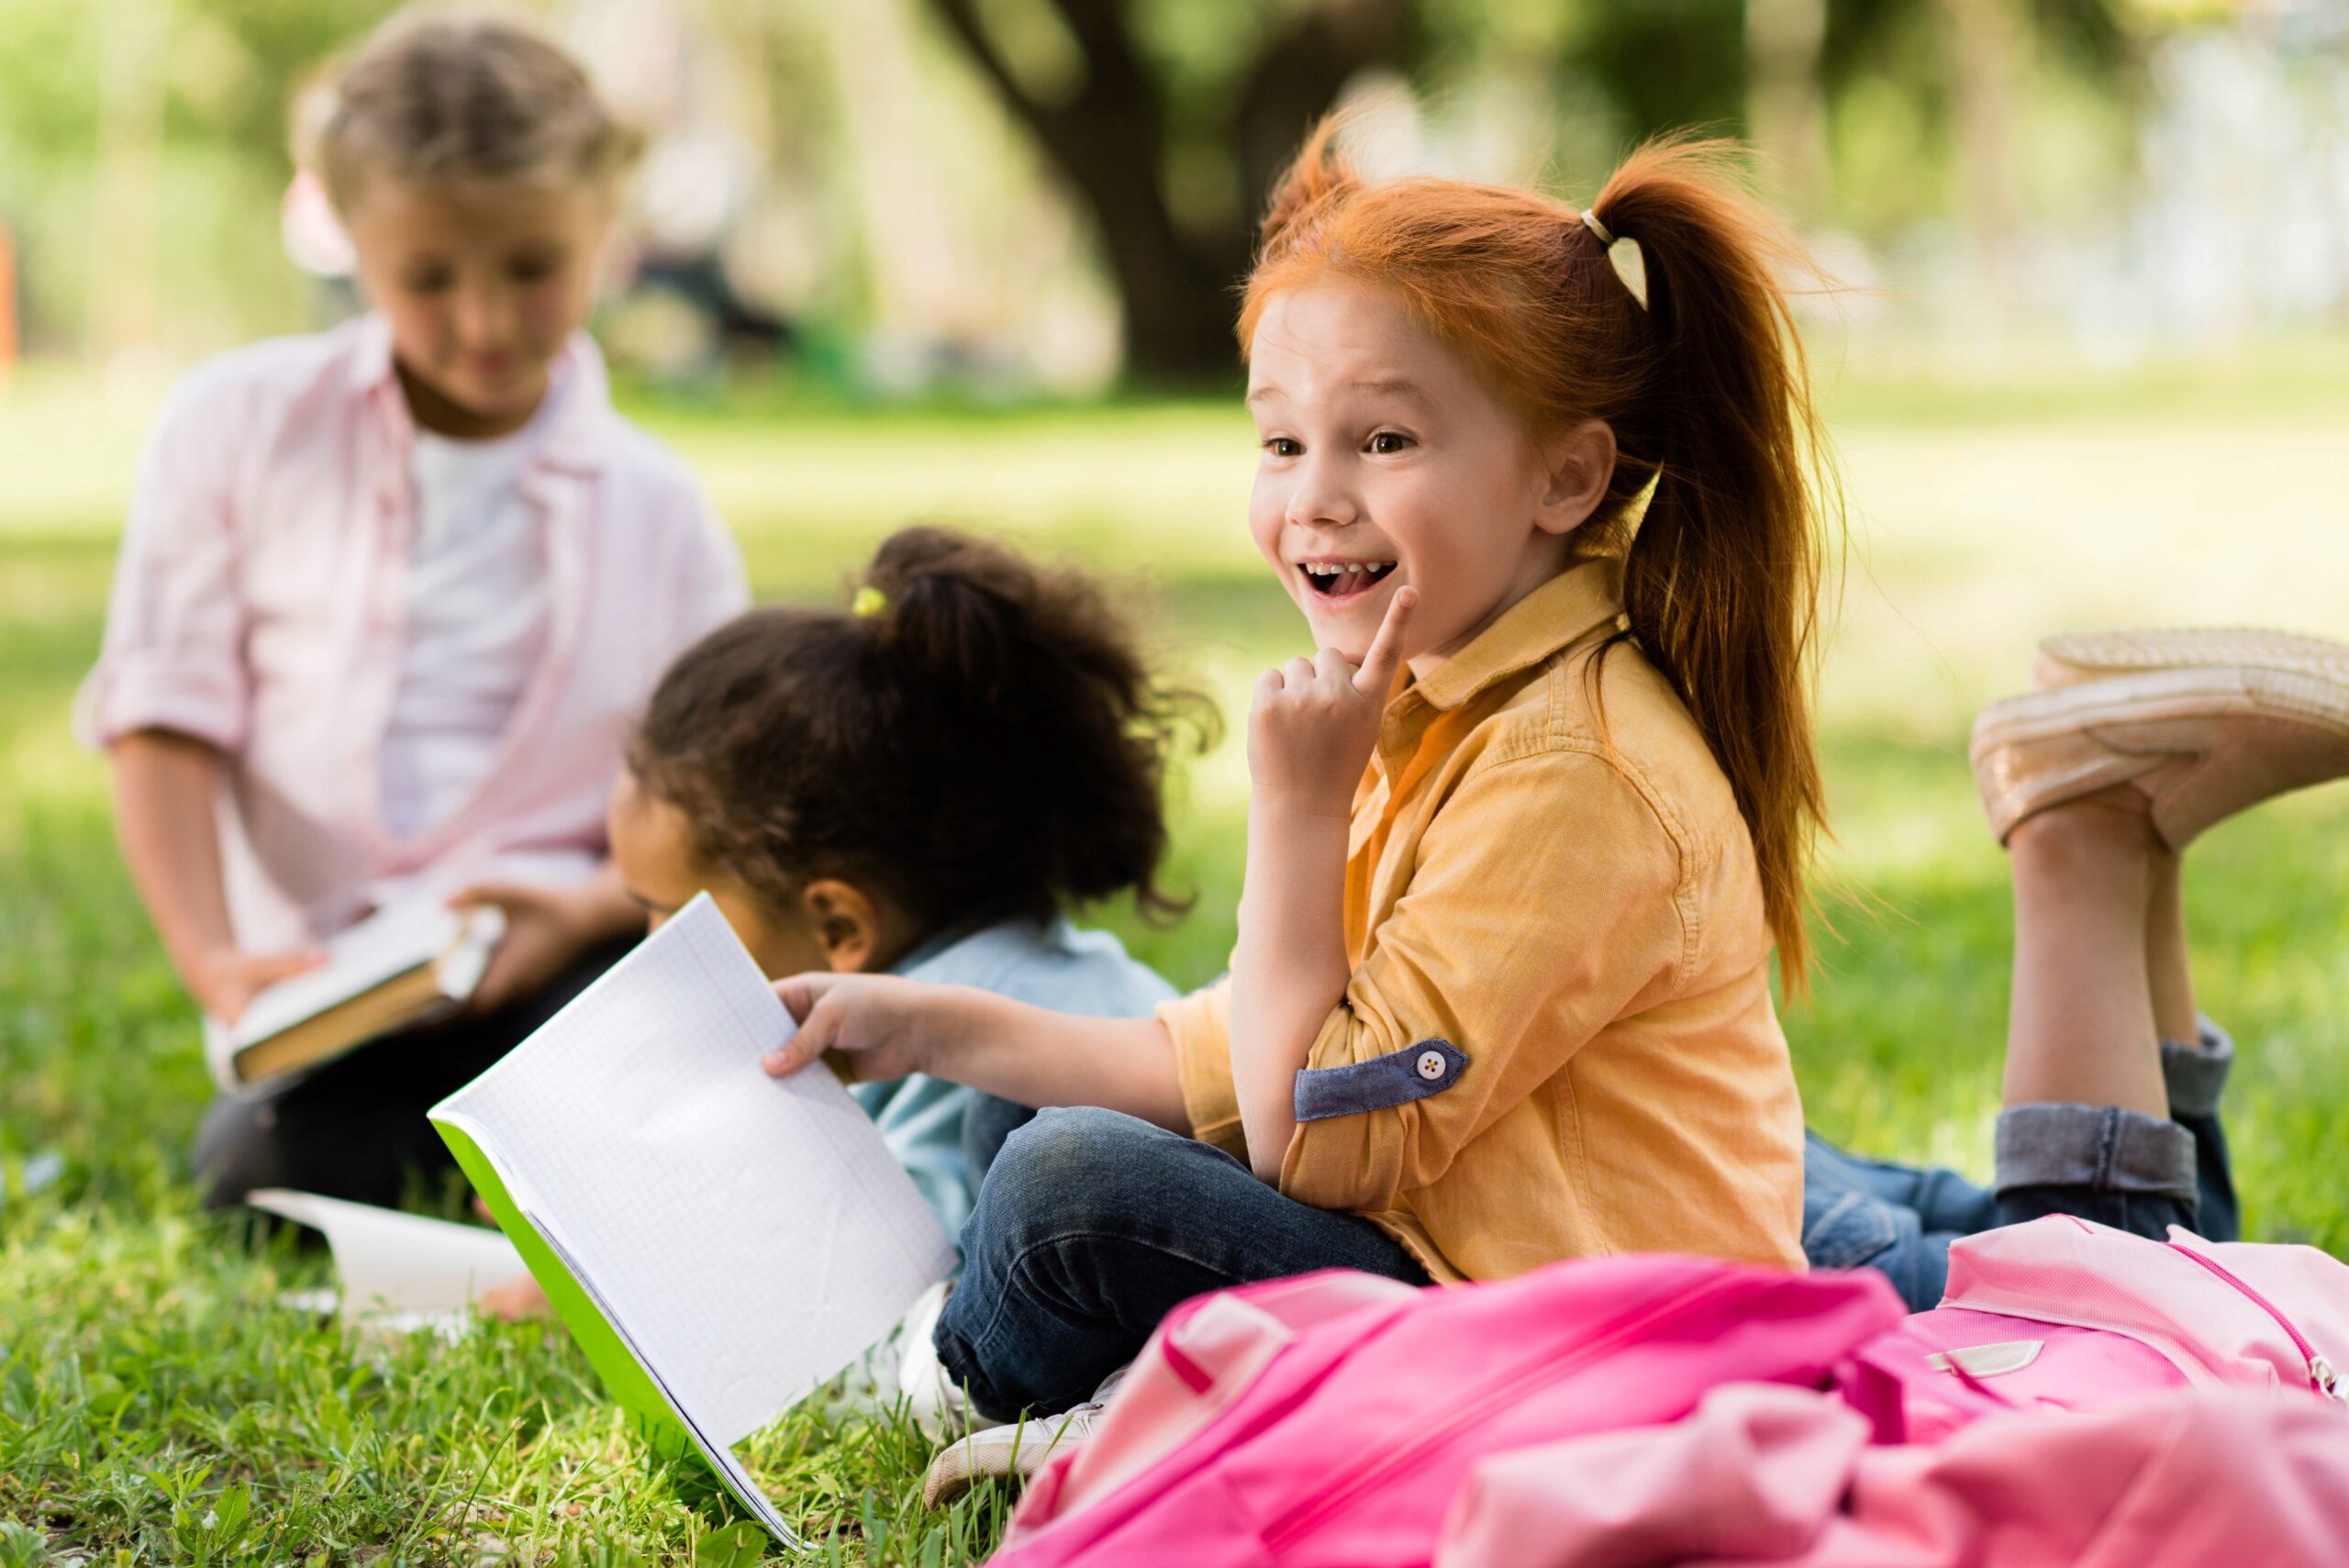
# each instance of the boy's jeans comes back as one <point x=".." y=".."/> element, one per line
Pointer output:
<point x="1091" y="1226"/>
<point x="2101" y="1162"/>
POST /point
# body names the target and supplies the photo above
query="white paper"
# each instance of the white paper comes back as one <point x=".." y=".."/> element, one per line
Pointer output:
<point x="392" y="1263"/>
<point x="750" y="1236"/>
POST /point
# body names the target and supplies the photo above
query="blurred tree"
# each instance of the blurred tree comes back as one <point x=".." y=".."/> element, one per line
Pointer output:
<point x="1787" y="102"/>
<point x="126" y="227"/>
<point x="1170" y="122"/>
<point x="1170" y="118"/>
<point x="142" y="144"/>
<point x="1776" y="71"/>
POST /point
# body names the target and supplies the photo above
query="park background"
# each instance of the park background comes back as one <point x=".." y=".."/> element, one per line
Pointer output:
<point x="970" y="260"/>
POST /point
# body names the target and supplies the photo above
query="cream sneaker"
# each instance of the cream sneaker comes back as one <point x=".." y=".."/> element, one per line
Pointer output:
<point x="2070" y="658"/>
<point x="2201" y="744"/>
<point x="1015" y="1452"/>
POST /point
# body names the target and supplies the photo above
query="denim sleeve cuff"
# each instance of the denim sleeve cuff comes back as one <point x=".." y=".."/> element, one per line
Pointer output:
<point x="2196" y="1073"/>
<point x="1380" y="1084"/>
<point x="2103" y="1148"/>
<point x="1352" y="1162"/>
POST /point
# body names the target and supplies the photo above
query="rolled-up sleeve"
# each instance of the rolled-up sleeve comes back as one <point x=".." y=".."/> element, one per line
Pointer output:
<point x="1200" y="1024"/>
<point x="174" y="652"/>
<point x="1544" y="904"/>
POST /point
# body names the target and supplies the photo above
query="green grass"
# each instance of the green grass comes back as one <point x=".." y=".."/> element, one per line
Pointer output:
<point x="157" y="1405"/>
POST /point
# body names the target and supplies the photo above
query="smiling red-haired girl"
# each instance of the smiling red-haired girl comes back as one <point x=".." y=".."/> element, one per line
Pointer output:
<point x="1523" y="833"/>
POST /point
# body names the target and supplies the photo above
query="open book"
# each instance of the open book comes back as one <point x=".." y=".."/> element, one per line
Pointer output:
<point x="404" y="965"/>
<point x="399" y="1273"/>
<point x="719" y="1242"/>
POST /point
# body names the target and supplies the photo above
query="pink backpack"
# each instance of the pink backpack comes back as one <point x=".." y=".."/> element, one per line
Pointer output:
<point x="2076" y="1316"/>
<point x="1330" y="1419"/>
<point x="1772" y="1474"/>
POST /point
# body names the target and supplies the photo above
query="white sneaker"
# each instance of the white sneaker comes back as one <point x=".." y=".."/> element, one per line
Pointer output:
<point x="1015" y="1452"/>
<point x="936" y="1402"/>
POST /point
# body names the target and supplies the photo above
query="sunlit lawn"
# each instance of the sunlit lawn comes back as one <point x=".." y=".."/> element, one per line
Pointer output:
<point x="149" y="1382"/>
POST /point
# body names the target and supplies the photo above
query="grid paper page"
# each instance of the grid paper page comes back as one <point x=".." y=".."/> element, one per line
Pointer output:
<point x="750" y="1235"/>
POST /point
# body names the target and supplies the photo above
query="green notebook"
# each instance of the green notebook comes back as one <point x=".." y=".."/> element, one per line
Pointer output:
<point x="719" y="1242"/>
<point x="624" y="1376"/>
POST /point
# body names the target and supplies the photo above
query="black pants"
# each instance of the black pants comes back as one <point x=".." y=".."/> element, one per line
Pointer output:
<point x="355" y="1127"/>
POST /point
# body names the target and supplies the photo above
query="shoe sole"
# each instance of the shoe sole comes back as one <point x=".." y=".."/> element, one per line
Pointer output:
<point x="2108" y="710"/>
<point x="975" y="1457"/>
<point x="2161" y="695"/>
<point x="2071" y="658"/>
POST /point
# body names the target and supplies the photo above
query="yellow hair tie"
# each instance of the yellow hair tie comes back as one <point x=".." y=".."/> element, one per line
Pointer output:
<point x="868" y="603"/>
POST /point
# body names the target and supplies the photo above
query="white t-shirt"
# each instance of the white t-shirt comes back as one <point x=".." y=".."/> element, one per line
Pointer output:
<point x="477" y="611"/>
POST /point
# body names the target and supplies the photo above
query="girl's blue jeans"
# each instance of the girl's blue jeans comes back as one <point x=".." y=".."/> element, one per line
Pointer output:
<point x="2120" y="1168"/>
<point x="1091" y="1226"/>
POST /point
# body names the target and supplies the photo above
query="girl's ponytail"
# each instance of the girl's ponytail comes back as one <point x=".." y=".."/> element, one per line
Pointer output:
<point x="1723" y="474"/>
<point x="1044" y="725"/>
<point x="1721" y="569"/>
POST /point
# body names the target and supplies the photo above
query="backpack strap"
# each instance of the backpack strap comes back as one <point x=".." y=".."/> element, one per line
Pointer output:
<point x="1878" y="1378"/>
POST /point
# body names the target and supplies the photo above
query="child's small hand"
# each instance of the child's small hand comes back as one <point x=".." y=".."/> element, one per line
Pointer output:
<point x="225" y="983"/>
<point x="544" y="932"/>
<point x="867" y="1019"/>
<point x="1313" y="723"/>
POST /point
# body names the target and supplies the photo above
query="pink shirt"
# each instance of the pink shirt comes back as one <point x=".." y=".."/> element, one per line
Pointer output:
<point x="260" y="604"/>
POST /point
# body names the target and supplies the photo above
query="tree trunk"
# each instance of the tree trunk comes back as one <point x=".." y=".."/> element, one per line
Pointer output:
<point x="1785" y="104"/>
<point x="1985" y="41"/>
<point x="1108" y="140"/>
<point x="127" y="197"/>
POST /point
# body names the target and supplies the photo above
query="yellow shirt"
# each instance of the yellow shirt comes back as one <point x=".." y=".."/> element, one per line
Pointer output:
<point x="1559" y="952"/>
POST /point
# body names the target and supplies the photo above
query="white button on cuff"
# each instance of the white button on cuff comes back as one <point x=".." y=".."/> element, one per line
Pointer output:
<point x="1432" y="1064"/>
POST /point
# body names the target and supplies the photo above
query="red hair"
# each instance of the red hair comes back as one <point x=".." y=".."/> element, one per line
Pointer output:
<point x="1722" y="479"/>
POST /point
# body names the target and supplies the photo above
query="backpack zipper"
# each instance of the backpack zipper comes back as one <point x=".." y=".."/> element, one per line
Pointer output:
<point x="1311" y="1509"/>
<point x="2322" y="1377"/>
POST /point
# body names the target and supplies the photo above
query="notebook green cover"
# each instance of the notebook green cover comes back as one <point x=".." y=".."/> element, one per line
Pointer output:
<point x="623" y="1377"/>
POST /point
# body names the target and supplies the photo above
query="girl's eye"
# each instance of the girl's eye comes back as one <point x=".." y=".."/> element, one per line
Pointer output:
<point x="1282" y="446"/>
<point x="1390" y="442"/>
<point x="533" y="270"/>
<point x="424" y="282"/>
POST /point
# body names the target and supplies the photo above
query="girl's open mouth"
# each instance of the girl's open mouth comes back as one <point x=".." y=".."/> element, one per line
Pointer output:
<point x="1343" y="579"/>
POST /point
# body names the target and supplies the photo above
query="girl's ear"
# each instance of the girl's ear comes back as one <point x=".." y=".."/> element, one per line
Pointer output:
<point x="847" y="924"/>
<point x="1580" y="464"/>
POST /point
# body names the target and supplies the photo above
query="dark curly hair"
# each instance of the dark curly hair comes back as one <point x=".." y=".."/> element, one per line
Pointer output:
<point x="986" y="743"/>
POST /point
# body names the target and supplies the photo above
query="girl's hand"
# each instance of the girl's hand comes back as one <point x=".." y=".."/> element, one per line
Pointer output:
<point x="225" y="983"/>
<point x="1313" y="723"/>
<point x="867" y="1024"/>
<point x="546" y="928"/>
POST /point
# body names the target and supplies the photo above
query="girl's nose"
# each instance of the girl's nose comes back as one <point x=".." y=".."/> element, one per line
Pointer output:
<point x="1322" y="496"/>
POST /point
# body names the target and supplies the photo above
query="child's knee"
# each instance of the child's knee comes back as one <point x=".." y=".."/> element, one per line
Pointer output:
<point x="1073" y="1163"/>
